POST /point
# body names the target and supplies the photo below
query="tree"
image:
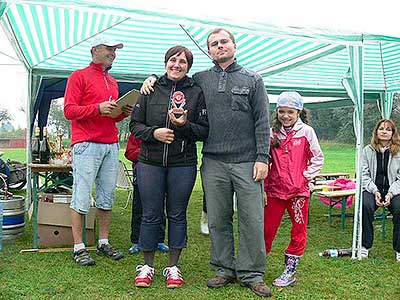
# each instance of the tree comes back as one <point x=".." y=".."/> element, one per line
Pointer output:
<point x="4" y="115"/>
<point x="57" y="119"/>
<point x="123" y="129"/>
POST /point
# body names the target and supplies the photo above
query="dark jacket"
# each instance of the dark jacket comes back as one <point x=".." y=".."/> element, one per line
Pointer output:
<point x="151" y="112"/>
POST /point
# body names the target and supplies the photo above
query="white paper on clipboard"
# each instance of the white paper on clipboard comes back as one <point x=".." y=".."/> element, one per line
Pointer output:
<point x="130" y="98"/>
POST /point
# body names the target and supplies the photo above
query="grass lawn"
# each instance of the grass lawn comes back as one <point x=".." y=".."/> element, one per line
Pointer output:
<point x="55" y="275"/>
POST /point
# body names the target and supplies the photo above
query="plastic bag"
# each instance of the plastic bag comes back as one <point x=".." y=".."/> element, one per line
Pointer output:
<point x="344" y="184"/>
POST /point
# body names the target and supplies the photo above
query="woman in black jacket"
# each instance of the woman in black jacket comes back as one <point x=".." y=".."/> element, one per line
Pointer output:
<point x="168" y="121"/>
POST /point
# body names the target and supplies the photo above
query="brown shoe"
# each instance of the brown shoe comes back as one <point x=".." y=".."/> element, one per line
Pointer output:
<point x="219" y="281"/>
<point x="260" y="289"/>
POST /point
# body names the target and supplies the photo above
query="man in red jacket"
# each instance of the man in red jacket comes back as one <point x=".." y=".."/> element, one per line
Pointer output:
<point x="89" y="99"/>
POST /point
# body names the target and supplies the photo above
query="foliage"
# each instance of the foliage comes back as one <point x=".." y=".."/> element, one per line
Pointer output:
<point x="55" y="275"/>
<point x="123" y="129"/>
<point x="17" y="133"/>
<point x="4" y="115"/>
<point x="57" y="119"/>
<point x="336" y="124"/>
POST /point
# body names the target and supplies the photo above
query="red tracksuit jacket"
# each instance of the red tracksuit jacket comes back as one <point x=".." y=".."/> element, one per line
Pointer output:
<point x="294" y="163"/>
<point x="85" y="90"/>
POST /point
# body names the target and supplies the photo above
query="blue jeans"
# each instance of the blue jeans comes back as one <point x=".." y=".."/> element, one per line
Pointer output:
<point x="94" y="163"/>
<point x="157" y="185"/>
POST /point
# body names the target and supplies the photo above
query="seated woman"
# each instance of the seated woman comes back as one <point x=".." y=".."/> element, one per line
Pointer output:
<point x="381" y="182"/>
<point x="168" y="121"/>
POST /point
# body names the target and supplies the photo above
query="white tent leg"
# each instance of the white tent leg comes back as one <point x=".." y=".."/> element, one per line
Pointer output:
<point x="353" y="83"/>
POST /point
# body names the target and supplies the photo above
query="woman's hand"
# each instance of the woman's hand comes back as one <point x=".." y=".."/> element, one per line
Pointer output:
<point x="182" y="118"/>
<point x="164" y="135"/>
<point x="387" y="201"/>
<point x="378" y="199"/>
<point x="265" y="199"/>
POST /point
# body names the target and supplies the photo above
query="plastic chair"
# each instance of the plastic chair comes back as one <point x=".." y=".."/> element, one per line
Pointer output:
<point x="382" y="216"/>
<point x="125" y="180"/>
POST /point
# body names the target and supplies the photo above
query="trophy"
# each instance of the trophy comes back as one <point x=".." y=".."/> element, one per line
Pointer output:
<point x="178" y="100"/>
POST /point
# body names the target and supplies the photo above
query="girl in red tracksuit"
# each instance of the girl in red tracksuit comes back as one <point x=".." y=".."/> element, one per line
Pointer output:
<point x="296" y="159"/>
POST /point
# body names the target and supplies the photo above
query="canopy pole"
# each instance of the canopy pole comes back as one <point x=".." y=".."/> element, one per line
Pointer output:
<point x="353" y="83"/>
<point x="28" y="197"/>
<point x="386" y="104"/>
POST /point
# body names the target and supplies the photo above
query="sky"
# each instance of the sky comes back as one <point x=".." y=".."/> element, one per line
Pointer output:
<point x="374" y="17"/>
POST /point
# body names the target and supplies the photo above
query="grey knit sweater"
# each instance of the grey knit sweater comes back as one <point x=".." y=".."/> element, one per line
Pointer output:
<point x="238" y="115"/>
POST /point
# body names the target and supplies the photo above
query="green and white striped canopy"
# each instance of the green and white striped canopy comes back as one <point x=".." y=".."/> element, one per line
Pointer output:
<point x="53" y="38"/>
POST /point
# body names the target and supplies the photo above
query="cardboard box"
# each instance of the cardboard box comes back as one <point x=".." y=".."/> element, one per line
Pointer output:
<point x="50" y="235"/>
<point x="59" y="214"/>
<point x="54" y="225"/>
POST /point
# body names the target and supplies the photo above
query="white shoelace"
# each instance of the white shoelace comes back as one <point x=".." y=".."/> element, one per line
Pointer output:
<point x="145" y="271"/>
<point x="172" y="272"/>
<point x="398" y="256"/>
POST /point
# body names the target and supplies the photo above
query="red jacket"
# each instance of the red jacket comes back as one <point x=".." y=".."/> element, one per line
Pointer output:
<point x="294" y="163"/>
<point x="85" y="90"/>
<point x="133" y="148"/>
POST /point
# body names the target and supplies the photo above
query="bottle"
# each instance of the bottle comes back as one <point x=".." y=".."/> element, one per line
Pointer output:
<point x="336" y="252"/>
<point x="44" y="152"/>
<point x="36" y="146"/>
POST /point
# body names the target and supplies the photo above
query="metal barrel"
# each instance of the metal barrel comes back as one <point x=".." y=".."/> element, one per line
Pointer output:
<point x="13" y="224"/>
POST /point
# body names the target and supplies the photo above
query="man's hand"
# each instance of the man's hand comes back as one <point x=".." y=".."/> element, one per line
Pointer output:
<point x="164" y="135"/>
<point x="265" y="199"/>
<point x="127" y="110"/>
<point x="147" y="86"/>
<point x="260" y="171"/>
<point x="106" y="107"/>
<point x="182" y="118"/>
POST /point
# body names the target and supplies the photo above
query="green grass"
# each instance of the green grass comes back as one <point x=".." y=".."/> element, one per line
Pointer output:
<point x="14" y="154"/>
<point x="338" y="157"/>
<point x="55" y="276"/>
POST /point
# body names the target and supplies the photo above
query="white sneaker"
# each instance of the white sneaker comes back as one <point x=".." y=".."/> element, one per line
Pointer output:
<point x="398" y="256"/>
<point x="204" y="224"/>
<point x="364" y="252"/>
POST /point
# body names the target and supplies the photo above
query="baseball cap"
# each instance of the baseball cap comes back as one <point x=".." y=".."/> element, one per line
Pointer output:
<point x="104" y="40"/>
<point x="290" y="99"/>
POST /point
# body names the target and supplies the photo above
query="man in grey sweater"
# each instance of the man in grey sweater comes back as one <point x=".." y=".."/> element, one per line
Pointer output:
<point x="235" y="157"/>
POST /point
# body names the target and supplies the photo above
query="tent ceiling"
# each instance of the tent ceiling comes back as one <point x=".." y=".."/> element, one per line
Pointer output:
<point x="54" y="39"/>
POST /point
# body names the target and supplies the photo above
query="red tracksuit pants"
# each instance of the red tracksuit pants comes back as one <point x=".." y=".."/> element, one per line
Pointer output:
<point x="297" y="208"/>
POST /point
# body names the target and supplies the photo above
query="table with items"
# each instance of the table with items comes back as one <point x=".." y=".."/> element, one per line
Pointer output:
<point x="46" y="177"/>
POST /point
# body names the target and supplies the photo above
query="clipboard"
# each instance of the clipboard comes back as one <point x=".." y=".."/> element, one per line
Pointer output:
<point x="130" y="98"/>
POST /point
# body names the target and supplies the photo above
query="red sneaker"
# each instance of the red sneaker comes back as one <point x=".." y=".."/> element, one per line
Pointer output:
<point x="174" y="277"/>
<point x="145" y="276"/>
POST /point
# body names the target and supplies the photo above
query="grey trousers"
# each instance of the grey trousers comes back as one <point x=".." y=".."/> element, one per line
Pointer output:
<point x="220" y="180"/>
